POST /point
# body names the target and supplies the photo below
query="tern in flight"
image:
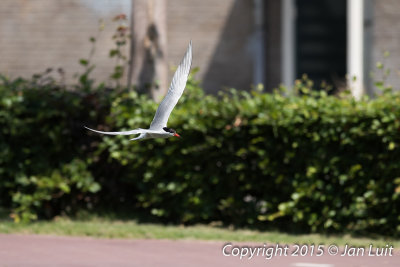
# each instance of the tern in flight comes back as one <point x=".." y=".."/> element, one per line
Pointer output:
<point x="158" y="127"/>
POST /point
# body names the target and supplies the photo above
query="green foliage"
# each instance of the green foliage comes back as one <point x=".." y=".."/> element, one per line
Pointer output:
<point x="43" y="164"/>
<point x="121" y="39"/>
<point x="309" y="162"/>
<point x="44" y="192"/>
<point x="381" y="75"/>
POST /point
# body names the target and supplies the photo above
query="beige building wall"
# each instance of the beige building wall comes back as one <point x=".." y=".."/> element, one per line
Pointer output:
<point x="222" y="40"/>
<point x="38" y="34"/>
<point x="386" y="37"/>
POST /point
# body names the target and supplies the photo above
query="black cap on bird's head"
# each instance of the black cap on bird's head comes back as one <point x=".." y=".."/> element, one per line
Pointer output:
<point x="170" y="130"/>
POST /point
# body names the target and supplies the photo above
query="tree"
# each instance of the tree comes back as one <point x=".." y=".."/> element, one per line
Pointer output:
<point x="148" y="68"/>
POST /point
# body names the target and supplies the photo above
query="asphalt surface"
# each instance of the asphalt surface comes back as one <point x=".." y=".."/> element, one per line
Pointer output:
<point x="39" y="250"/>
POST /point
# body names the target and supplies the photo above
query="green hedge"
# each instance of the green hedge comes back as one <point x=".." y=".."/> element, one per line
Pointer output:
<point x="43" y="166"/>
<point x="308" y="162"/>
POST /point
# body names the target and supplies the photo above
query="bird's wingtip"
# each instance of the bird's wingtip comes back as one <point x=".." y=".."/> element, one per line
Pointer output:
<point x="87" y="128"/>
<point x="189" y="49"/>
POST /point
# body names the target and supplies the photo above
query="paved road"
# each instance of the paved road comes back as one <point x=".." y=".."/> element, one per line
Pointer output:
<point x="38" y="250"/>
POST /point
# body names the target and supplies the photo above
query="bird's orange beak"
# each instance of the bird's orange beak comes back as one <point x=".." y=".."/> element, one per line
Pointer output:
<point x="177" y="135"/>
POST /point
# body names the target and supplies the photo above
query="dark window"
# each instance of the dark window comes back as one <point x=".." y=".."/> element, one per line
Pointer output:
<point x="321" y="40"/>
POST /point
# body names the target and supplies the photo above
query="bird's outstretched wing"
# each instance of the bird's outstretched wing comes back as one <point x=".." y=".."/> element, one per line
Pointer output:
<point x="174" y="92"/>
<point x="136" y="131"/>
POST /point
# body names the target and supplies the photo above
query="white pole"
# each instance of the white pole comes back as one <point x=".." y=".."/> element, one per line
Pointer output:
<point x="288" y="16"/>
<point x="355" y="47"/>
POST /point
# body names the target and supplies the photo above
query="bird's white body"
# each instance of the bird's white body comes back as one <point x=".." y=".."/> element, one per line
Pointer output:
<point x="158" y="127"/>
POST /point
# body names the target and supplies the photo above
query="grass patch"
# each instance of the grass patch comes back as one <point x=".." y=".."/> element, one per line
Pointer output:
<point x="106" y="228"/>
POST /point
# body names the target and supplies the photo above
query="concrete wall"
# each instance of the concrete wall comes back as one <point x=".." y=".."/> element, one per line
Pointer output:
<point x="35" y="35"/>
<point x="386" y="37"/>
<point x="222" y="40"/>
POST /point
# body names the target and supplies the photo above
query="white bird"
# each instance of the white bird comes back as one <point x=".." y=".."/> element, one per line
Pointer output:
<point x="158" y="127"/>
